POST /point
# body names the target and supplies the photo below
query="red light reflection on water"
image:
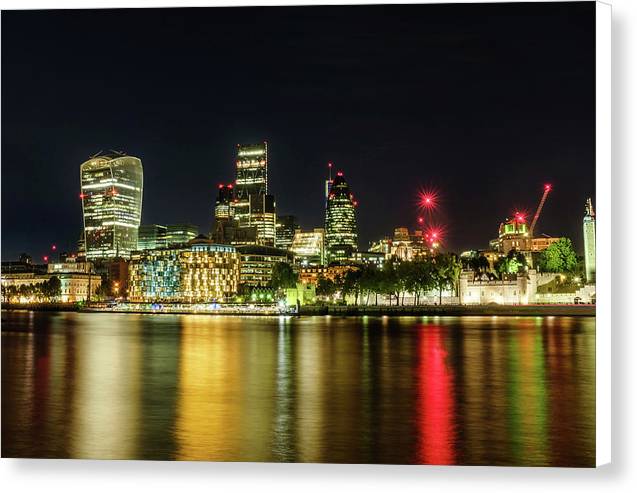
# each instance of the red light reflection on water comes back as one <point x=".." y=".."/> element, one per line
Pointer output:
<point x="436" y="407"/>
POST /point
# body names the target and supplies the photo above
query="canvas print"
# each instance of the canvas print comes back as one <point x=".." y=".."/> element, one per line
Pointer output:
<point x="328" y="234"/>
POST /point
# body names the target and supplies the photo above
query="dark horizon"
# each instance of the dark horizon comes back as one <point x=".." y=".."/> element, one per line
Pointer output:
<point x="486" y="103"/>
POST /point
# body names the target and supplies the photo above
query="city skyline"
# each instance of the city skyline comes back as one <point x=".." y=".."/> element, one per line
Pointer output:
<point x="479" y="142"/>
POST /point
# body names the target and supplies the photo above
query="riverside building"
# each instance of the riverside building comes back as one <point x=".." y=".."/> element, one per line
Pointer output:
<point x="198" y="272"/>
<point x="111" y="194"/>
<point x="257" y="263"/>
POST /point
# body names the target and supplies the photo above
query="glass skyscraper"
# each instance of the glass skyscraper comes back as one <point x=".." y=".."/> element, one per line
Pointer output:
<point x="111" y="193"/>
<point x="253" y="207"/>
<point x="150" y="236"/>
<point x="341" y="236"/>
<point x="252" y="178"/>
<point x="286" y="227"/>
<point x="589" y="242"/>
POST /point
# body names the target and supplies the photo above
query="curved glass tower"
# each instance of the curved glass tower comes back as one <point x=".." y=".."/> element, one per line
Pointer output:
<point x="341" y="236"/>
<point x="111" y="193"/>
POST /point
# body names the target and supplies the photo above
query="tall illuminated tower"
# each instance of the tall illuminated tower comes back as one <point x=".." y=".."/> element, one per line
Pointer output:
<point x="341" y="236"/>
<point x="252" y="178"/>
<point x="111" y="193"/>
<point x="589" y="242"/>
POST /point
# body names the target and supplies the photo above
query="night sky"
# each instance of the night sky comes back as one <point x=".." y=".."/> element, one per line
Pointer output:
<point x="485" y="103"/>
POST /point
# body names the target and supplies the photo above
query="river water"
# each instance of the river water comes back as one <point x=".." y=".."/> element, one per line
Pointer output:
<point x="408" y="390"/>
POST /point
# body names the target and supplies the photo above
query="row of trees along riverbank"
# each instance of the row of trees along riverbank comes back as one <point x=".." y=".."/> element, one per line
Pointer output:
<point x="437" y="273"/>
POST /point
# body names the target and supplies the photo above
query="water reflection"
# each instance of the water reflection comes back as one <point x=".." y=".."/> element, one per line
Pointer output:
<point x="433" y="390"/>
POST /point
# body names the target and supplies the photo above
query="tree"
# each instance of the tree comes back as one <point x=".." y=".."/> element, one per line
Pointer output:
<point x="351" y="284"/>
<point x="283" y="276"/>
<point x="389" y="281"/>
<point x="369" y="281"/>
<point x="104" y="289"/>
<point x="559" y="257"/>
<point x="406" y="278"/>
<point x="477" y="262"/>
<point x="445" y="272"/>
<point x="52" y="288"/>
<point x="513" y="263"/>
<point x="325" y="287"/>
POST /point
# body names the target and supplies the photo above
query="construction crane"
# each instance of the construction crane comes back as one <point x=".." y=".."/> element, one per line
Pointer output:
<point x="547" y="189"/>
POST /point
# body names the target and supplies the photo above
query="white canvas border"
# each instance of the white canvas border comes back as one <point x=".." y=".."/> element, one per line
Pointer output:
<point x="603" y="13"/>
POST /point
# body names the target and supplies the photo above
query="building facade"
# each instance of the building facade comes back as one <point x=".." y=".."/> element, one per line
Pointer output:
<point x="178" y="234"/>
<point x="341" y="233"/>
<point x="308" y="247"/>
<point x="74" y="286"/>
<point x="262" y="218"/>
<point x="252" y="178"/>
<point x="198" y="272"/>
<point x="151" y="236"/>
<point x="111" y="193"/>
<point x="403" y="245"/>
<point x="286" y="228"/>
<point x="516" y="289"/>
<point x="589" y="242"/>
<point x="257" y="262"/>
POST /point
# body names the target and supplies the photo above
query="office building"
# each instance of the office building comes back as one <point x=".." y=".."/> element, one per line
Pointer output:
<point x="341" y="235"/>
<point x="151" y="236"/>
<point x="111" y="193"/>
<point x="286" y="227"/>
<point x="257" y="263"/>
<point x="252" y="178"/>
<point x="308" y="247"/>
<point x="197" y="272"/>
<point x="178" y="234"/>
<point x="262" y="217"/>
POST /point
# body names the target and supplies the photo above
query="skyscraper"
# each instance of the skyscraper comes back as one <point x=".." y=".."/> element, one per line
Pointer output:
<point x="286" y="227"/>
<point x="341" y="237"/>
<point x="252" y="177"/>
<point x="224" y="205"/>
<point x="111" y="193"/>
<point x="589" y="242"/>
<point x="263" y="217"/>
<point x="225" y="223"/>
<point x="254" y="208"/>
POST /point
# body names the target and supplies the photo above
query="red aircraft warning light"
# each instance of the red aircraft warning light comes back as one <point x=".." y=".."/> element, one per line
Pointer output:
<point x="54" y="247"/>
<point x="428" y="199"/>
<point x="45" y="258"/>
<point x="339" y="173"/>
